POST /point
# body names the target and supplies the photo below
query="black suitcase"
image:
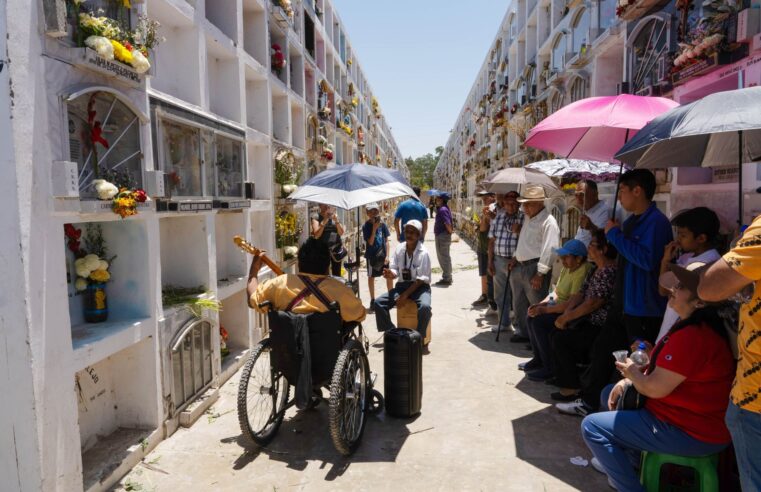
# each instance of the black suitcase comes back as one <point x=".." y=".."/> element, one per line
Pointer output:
<point x="403" y="372"/>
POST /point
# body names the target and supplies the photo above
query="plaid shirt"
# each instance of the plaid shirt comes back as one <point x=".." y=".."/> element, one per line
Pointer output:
<point x="505" y="242"/>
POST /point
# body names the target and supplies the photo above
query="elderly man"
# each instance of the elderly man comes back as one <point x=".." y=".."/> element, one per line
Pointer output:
<point x="595" y="211"/>
<point x="503" y="240"/>
<point x="532" y="264"/>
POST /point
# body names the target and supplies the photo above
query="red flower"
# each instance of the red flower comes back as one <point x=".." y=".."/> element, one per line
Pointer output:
<point x="128" y="45"/>
<point x="72" y="232"/>
<point x="276" y="47"/>
<point x="140" y="196"/>
<point x="74" y="246"/>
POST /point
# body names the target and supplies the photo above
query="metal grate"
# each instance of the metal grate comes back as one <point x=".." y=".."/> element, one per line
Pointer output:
<point x="191" y="360"/>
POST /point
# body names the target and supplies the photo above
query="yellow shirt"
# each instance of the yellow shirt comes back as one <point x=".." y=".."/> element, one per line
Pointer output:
<point x="745" y="259"/>
<point x="281" y="290"/>
<point x="569" y="283"/>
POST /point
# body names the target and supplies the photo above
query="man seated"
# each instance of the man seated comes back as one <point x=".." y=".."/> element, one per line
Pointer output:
<point x="314" y="263"/>
<point x="411" y="265"/>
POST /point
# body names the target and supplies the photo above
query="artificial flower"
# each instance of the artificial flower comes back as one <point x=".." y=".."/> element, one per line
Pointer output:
<point x="121" y="52"/>
<point x="100" y="276"/>
<point x="139" y="62"/>
<point x="80" y="284"/>
<point x="82" y="271"/>
<point x="105" y="190"/>
<point x="140" y="196"/>
<point x="102" y="265"/>
<point x="92" y="262"/>
<point x="101" y="45"/>
<point x="290" y="251"/>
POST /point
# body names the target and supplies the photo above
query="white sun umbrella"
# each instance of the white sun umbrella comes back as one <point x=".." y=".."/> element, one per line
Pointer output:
<point x="512" y="178"/>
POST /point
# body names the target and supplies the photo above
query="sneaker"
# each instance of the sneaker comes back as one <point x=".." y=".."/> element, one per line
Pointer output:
<point x="481" y="301"/>
<point x="496" y="329"/>
<point x="529" y="365"/>
<point x="444" y="283"/>
<point x="576" y="407"/>
<point x="597" y="465"/>
<point x="492" y="311"/>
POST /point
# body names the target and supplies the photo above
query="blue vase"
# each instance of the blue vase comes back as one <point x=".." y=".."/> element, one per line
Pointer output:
<point x="95" y="303"/>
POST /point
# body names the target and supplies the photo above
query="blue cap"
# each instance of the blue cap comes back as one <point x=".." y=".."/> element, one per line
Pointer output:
<point x="443" y="195"/>
<point x="573" y="247"/>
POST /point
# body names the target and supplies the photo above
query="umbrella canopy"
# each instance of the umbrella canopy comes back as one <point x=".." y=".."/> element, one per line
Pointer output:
<point x="510" y="178"/>
<point x="707" y="132"/>
<point x="564" y="167"/>
<point x="596" y="127"/>
<point x="353" y="185"/>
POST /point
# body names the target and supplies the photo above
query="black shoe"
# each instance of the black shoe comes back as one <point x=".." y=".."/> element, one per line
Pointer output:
<point x="518" y="339"/>
<point x="481" y="301"/>
<point x="539" y="375"/>
<point x="558" y="396"/>
<point x="371" y="307"/>
<point x="529" y="365"/>
<point x="443" y="283"/>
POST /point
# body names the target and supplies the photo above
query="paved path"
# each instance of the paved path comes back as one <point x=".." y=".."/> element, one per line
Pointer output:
<point x="483" y="426"/>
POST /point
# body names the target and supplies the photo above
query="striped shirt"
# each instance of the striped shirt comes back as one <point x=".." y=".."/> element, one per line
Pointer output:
<point x="501" y="230"/>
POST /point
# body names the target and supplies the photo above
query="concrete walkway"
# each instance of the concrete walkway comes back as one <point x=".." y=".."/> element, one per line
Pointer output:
<point x="483" y="425"/>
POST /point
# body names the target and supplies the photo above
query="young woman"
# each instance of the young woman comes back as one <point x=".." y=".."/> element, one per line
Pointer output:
<point x="327" y="228"/>
<point x="687" y="388"/>
<point x="376" y="236"/>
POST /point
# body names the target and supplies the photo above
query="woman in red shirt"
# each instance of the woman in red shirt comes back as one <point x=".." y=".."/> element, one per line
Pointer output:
<point x="687" y="389"/>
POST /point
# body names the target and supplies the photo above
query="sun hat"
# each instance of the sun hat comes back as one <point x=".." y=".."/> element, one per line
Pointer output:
<point x="416" y="224"/>
<point x="572" y="247"/>
<point x="372" y="206"/>
<point x="688" y="277"/>
<point x="532" y="193"/>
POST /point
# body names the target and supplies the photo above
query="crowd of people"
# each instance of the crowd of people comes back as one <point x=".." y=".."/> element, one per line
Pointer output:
<point x="632" y="286"/>
<point x="653" y="286"/>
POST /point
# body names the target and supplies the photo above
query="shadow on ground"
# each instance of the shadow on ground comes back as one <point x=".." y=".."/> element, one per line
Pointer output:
<point x="533" y="432"/>
<point x="305" y="436"/>
<point x="486" y="340"/>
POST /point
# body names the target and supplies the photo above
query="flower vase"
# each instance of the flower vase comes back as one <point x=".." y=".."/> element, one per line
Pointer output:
<point x="95" y="303"/>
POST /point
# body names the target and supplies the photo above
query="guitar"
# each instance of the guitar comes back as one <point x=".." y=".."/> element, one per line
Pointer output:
<point x="249" y="248"/>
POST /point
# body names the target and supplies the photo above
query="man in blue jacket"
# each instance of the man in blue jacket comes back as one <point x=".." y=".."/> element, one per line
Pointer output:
<point x="640" y="243"/>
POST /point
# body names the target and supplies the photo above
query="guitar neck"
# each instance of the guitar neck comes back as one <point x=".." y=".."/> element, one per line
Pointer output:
<point x="271" y="264"/>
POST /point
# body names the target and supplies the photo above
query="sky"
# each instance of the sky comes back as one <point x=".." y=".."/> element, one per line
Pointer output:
<point x="421" y="58"/>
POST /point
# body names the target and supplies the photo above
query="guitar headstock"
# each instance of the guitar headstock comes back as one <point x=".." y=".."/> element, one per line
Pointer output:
<point x="246" y="246"/>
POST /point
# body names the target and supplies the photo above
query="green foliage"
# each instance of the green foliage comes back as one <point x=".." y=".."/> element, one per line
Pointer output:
<point x="421" y="168"/>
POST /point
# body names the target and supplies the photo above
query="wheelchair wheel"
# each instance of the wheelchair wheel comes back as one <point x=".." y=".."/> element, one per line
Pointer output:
<point x="262" y="396"/>
<point x="349" y="395"/>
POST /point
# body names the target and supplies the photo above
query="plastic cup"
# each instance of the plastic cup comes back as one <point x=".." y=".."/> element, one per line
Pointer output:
<point x="621" y="355"/>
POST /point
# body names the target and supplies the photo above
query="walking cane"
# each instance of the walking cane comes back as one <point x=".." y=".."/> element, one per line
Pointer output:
<point x="504" y="299"/>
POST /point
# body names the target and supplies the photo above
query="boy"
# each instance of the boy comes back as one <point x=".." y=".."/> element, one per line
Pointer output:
<point x="411" y="264"/>
<point x="376" y="236"/>
<point x="640" y="243"/>
<point x="696" y="233"/>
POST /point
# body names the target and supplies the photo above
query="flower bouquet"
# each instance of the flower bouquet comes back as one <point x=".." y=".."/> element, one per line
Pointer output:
<point x="277" y="58"/>
<point x="286" y="6"/>
<point x="121" y="190"/>
<point x="92" y="269"/>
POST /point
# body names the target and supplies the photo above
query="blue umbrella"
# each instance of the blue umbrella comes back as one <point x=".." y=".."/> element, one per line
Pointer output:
<point x="350" y="186"/>
<point x="433" y="192"/>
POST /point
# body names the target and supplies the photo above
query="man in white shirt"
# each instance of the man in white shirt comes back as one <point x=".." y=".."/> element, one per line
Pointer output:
<point x="595" y="212"/>
<point x="411" y="266"/>
<point x="532" y="264"/>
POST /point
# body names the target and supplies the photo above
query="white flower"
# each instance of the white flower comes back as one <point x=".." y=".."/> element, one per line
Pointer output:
<point x="468" y="210"/>
<point x="92" y="262"/>
<point x="82" y="271"/>
<point x="291" y="251"/>
<point x="106" y="190"/>
<point x="289" y="188"/>
<point x="102" y="45"/>
<point x="79" y="263"/>
<point x="139" y="62"/>
<point x="102" y="265"/>
<point x="80" y="284"/>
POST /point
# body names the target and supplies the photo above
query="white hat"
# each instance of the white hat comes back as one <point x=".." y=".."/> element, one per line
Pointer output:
<point x="372" y="206"/>
<point x="416" y="224"/>
<point x="532" y="193"/>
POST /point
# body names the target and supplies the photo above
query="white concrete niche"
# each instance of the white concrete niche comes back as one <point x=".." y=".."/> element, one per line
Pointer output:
<point x="234" y="317"/>
<point x="231" y="261"/>
<point x="128" y="293"/>
<point x="278" y="38"/>
<point x="262" y="225"/>
<point x="184" y="251"/>
<point x="298" y="135"/>
<point x="260" y="171"/>
<point x="223" y="15"/>
<point x="296" y="71"/>
<point x="178" y="64"/>
<point x="117" y="399"/>
<point x="255" y="31"/>
<point x="257" y="103"/>
<point x="281" y="118"/>
<point x="224" y="80"/>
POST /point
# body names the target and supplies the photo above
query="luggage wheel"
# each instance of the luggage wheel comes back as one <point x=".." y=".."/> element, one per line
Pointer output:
<point x="375" y="403"/>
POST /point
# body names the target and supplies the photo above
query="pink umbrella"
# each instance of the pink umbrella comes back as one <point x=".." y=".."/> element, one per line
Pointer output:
<point x="595" y="128"/>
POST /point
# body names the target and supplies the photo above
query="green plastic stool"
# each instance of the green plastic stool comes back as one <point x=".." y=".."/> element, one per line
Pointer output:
<point x="704" y="466"/>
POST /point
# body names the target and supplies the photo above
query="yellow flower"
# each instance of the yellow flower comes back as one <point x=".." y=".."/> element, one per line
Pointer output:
<point x="100" y="275"/>
<point x="126" y="4"/>
<point x="121" y="53"/>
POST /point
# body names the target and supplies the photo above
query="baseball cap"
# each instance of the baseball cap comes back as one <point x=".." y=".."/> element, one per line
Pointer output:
<point x="416" y="224"/>
<point x="572" y="247"/>
<point x="372" y="206"/>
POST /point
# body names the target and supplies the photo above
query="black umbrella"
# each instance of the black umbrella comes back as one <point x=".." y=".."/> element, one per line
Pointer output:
<point x="721" y="129"/>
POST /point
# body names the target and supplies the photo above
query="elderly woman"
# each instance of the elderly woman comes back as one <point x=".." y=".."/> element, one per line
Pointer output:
<point x="687" y="387"/>
<point x="582" y="322"/>
<point x="542" y="317"/>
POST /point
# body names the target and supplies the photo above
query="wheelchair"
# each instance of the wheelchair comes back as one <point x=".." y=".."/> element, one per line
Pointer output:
<point x="338" y="363"/>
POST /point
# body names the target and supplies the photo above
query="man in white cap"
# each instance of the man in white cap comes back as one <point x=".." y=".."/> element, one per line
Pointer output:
<point x="411" y="267"/>
<point x="532" y="264"/>
<point x="376" y="236"/>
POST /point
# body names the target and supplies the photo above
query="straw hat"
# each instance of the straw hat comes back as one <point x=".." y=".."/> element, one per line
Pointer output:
<point x="532" y="193"/>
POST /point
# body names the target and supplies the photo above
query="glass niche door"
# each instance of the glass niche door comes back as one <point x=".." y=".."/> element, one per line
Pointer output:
<point x="200" y="162"/>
